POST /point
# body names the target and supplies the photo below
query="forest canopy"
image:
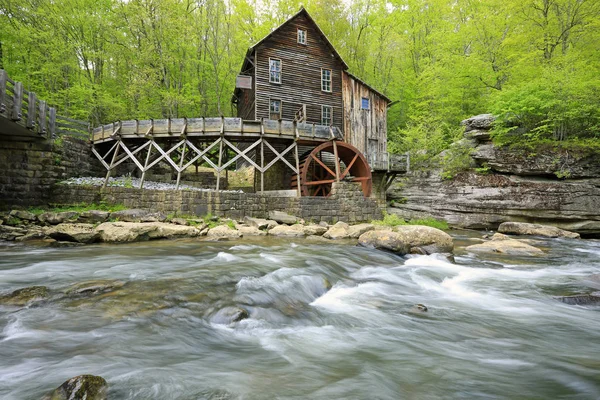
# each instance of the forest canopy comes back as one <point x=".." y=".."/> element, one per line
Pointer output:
<point x="534" y="63"/>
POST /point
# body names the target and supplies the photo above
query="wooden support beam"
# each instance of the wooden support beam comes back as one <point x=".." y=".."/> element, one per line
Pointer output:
<point x="110" y="167"/>
<point x="202" y="154"/>
<point x="180" y="165"/>
<point x="31" y="111"/>
<point x="219" y="165"/>
<point x="337" y="161"/>
<point x="297" y="157"/>
<point x="262" y="164"/>
<point x="145" y="167"/>
<point x="240" y="153"/>
<point x="16" y="114"/>
<point x="52" y="122"/>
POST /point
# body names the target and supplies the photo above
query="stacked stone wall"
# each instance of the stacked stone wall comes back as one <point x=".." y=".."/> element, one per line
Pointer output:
<point x="30" y="169"/>
<point x="346" y="203"/>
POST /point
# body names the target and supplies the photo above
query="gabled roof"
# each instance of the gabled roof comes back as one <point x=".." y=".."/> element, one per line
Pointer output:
<point x="383" y="96"/>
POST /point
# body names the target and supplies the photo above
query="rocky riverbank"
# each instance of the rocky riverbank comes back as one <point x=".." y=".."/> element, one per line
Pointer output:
<point x="559" y="189"/>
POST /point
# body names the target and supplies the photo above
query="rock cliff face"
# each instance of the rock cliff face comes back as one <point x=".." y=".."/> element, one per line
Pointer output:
<point x="520" y="187"/>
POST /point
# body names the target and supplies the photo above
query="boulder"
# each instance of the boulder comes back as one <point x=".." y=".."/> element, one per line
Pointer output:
<point x="55" y="218"/>
<point x="354" y="231"/>
<point x="500" y="236"/>
<point x="138" y="231"/>
<point x="23" y="215"/>
<point x="251" y="231"/>
<point x="385" y="240"/>
<point x="223" y="232"/>
<point x="137" y="215"/>
<point x="11" y="232"/>
<point x="340" y="230"/>
<point x="282" y="218"/>
<point x="94" y="216"/>
<point x="93" y="287"/>
<point x="314" y="230"/>
<point x="482" y="121"/>
<point x="506" y="246"/>
<point x="81" y="233"/>
<point x="288" y="231"/>
<point x="591" y="299"/>
<point x="260" y="223"/>
<point x="425" y="239"/>
<point x="522" y="228"/>
<point x="25" y="296"/>
<point x="83" y="387"/>
<point x="32" y="234"/>
<point x="180" y="221"/>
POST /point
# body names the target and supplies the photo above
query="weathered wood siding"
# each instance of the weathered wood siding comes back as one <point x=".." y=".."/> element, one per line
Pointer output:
<point x="364" y="129"/>
<point x="245" y="105"/>
<point x="300" y="74"/>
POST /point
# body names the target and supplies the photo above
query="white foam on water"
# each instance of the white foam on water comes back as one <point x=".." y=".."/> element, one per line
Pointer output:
<point x="15" y="330"/>
<point x="270" y="257"/>
<point x="223" y="256"/>
<point x="243" y="247"/>
<point x="344" y="299"/>
<point x="293" y="245"/>
<point x="507" y="362"/>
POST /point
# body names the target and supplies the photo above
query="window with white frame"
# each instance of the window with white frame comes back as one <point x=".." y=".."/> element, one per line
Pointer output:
<point x="326" y="115"/>
<point x="301" y="36"/>
<point x="274" y="70"/>
<point x="365" y="104"/>
<point x="326" y="80"/>
<point x="275" y="109"/>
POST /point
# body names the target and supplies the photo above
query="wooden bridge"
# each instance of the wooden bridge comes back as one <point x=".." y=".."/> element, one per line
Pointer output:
<point x="24" y="115"/>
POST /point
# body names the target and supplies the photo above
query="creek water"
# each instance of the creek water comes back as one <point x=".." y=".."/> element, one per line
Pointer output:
<point x="326" y="321"/>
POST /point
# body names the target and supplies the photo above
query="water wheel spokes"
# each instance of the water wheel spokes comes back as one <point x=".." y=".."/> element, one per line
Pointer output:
<point x="317" y="169"/>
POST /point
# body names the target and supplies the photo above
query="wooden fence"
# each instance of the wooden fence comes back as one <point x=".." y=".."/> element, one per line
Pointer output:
<point x="26" y="110"/>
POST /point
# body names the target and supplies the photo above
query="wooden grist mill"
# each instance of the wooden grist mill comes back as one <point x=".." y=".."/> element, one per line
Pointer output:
<point x="303" y="122"/>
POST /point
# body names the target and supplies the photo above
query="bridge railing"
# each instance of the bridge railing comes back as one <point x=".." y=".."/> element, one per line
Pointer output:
<point x="25" y="109"/>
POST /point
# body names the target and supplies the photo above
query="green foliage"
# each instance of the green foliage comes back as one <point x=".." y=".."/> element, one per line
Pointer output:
<point x="390" y="220"/>
<point x="457" y="159"/>
<point x="81" y="207"/>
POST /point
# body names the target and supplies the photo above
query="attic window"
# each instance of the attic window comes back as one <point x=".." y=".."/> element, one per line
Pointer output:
<point x="274" y="70"/>
<point x="326" y="80"/>
<point x="365" y="103"/>
<point x="301" y="36"/>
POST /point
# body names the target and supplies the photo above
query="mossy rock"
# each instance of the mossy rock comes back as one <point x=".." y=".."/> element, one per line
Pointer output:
<point x="82" y="387"/>
<point x="25" y="296"/>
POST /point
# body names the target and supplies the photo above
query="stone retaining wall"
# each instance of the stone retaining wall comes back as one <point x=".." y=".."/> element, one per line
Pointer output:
<point x="29" y="169"/>
<point x="346" y="202"/>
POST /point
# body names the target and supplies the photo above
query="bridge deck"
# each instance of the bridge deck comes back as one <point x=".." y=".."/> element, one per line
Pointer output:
<point x="233" y="128"/>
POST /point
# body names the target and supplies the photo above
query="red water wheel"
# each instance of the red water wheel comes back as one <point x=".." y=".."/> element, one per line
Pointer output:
<point x="318" y="169"/>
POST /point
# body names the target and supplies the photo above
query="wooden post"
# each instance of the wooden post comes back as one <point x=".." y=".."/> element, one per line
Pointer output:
<point x="335" y="155"/>
<point x="17" y="102"/>
<point x="180" y="165"/>
<point x="52" y="122"/>
<point x="42" y="127"/>
<point x="3" y="80"/>
<point x="114" y="158"/>
<point x="31" y="111"/>
<point x="219" y="165"/>
<point x="146" y="165"/>
<point x="297" y="168"/>
<point x="262" y="164"/>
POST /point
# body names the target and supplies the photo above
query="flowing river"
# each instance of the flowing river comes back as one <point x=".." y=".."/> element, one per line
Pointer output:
<point x="326" y="321"/>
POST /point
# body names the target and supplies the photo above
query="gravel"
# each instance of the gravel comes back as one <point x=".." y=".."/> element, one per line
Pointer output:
<point x="125" y="181"/>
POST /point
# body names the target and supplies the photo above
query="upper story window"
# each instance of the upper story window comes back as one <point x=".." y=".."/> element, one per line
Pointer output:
<point x="365" y="104"/>
<point x="274" y="70"/>
<point x="301" y="36"/>
<point x="326" y="115"/>
<point x="326" y="80"/>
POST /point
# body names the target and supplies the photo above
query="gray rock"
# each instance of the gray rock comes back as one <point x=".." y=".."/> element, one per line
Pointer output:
<point x="482" y="121"/>
<point x="94" y="216"/>
<point x="25" y="296"/>
<point x="314" y="230"/>
<point x="116" y="232"/>
<point x="506" y="246"/>
<point x="288" y="230"/>
<point x="180" y="221"/>
<point x="23" y="215"/>
<point x="81" y="233"/>
<point x="94" y="287"/>
<point x="425" y="239"/>
<point x="251" y="231"/>
<point x="229" y="315"/>
<point x="282" y="217"/>
<point x="522" y="228"/>
<point x="340" y="230"/>
<point x="592" y="299"/>
<point x="259" y="223"/>
<point x="385" y="240"/>
<point x="223" y="232"/>
<point x="53" y="218"/>
<point x="137" y="215"/>
<point x="354" y="231"/>
<point x="83" y="387"/>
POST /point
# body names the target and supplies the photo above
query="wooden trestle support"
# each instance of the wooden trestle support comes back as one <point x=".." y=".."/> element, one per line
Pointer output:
<point x="248" y="140"/>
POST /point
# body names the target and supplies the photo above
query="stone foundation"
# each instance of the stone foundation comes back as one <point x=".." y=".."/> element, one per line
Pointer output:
<point x="346" y="202"/>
